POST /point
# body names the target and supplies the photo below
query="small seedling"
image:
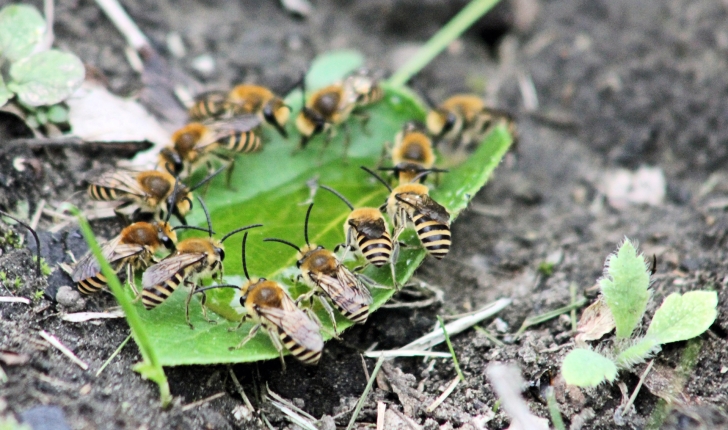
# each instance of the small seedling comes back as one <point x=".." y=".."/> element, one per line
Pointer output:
<point x="38" y="295"/>
<point x="37" y="76"/>
<point x="546" y="268"/>
<point x="625" y="288"/>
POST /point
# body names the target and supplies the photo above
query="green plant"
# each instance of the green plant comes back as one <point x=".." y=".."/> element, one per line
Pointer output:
<point x="38" y="295"/>
<point x="10" y="423"/>
<point x="17" y="281"/>
<point x="625" y="288"/>
<point x="3" y="276"/>
<point x="45" y="269"/>
<point x="37" y="76"/>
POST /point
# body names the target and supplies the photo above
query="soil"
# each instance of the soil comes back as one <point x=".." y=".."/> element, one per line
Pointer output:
<point x="619" y="84"/>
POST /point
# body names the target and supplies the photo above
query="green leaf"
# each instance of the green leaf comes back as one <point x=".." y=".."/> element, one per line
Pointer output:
<point x="270" y="188"/>
<point x="682" y="317"/>
<point x="5" y="93"/>
<point x="21" y="29"/>
<point x="625" y="287"/>
<point x="637" y="353"/>
<point x="586" y="368"/>
<point x="57" y="114"/>
<point x="46" y="78"/>
<point x="332" y="66"/>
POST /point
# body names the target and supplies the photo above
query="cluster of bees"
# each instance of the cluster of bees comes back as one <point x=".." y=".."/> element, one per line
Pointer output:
<point x="227" y="124"/>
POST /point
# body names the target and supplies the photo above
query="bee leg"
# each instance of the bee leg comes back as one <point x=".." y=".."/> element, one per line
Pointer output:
<point x="240" y="324"/>
<point x="364" y="118"/>
<point x="131" y="279"/>
<point x="278" y="346"/>
<point x="386" y="153"/>
<point x="230" y="160"/>
<point x="392" y="265"/>
<point x="313" y="317"/>
<point x="204" y="309"/>
<point x="251" y="334"/>
<point x="305" y="297"/>
<point x="330" y="311"/>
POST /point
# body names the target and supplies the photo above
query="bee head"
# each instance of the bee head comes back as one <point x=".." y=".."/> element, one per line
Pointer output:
<point x="166" y="235"/>
<point x="171" y="160"/>
<point x="441" y="121"/>
<point x="276" y="113"/>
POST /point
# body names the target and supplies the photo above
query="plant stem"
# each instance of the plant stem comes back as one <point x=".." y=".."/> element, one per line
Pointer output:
<point x="364" y="395"/>
<point x="553" y="406"/>
<point x="452" y="351"/>
<point x="151" y="367"/>
<point x="451" y="31"/>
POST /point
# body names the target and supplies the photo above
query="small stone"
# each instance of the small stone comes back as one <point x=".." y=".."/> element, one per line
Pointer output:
<point x="70" y="299"/>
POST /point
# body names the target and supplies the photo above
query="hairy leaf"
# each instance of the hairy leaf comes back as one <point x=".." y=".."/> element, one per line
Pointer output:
<point x="625" y="287"/>
<point x="270" y="187"/>
<point x="586" y="368"/>
<point x="21" y="29"/>
<point x="46" y="78"/>
<point x="682" y="317"/>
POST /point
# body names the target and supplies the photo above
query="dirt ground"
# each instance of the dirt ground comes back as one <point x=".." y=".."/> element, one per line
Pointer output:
<point x="618" y="85"/>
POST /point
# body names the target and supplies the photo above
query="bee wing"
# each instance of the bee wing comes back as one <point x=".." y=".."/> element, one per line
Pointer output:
<point x="235" y="124"/>
<point x="120" y="179"/>
<point x="167" y="268"/>
<point x="88" y="266"/>
<point x="433" y="210"/>
<point x="373" y="229"/>
<point x="294" y="322"/>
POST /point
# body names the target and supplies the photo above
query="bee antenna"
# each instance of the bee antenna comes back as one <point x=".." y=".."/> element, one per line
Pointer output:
<point x="425" y="95"/>
<point x="245" y="266"/>
<point x="172" y="199"/>
<point x="379" y="178"/>
<point x="426" y="172"/>
<point x="192" y="227"/>
<point x="208" y="178"/>
<point x="336" y="193"/>
<point x="212" y="287"/>
<point x="37" y="242"/>
<point x="275" y="239"/>
<point x="207" y="214"/>
<point x="305" y="224"/>
<point x="238" y="230"/>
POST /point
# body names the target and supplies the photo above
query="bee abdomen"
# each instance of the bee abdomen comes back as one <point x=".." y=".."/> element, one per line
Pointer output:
<point x="243" y="142"/>
<point x="97" y="192"/>
<point x="299" y="351"/>
<point x="92" y="285"/>
<point x="155" y="295"/>
<point x="376" y="251"/>
<point x="434" y="235"/>
<point x="358" y="316"/>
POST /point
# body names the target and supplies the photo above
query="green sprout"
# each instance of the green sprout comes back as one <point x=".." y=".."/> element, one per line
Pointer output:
<point x="3" y="276"/>
<point x="45" y="269"/>
<point x="9" y="423"/>
<point x="17" y="282"/>
<point x="39" y="78"/>
<point x="38" y="295"/>
<point x="546" y="269"/>
<point x="625" y="287"/>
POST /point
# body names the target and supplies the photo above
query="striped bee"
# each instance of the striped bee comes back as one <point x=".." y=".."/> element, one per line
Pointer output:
<point x="463" y="119"/>
<point x="367" y="233"/>
<point x="197" y="142"/>
<point x="258" y="100"/>
<point x="194" y="259"/>
<point x="411" y="203"/>
<point x="327" y="277"/>
<point x="327" y="107"/>
<point x="209" y="105"/>
<point x="148" y="192"/>
<point x="412" y="154"/>
<point x="365" y="86"/>
<point x="270" y="307"/>
<point x="133" y="249"/>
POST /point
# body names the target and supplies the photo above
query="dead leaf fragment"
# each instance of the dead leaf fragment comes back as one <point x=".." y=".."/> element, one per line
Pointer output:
<point x="596" y="321"/>
<point x="646" y="186"/>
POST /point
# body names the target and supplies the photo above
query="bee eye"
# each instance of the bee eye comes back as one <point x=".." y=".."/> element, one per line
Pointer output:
<point x="450" y="122"/>
<point x="298" y="263"/>
<point x="242" y="300"/>
<point x="221" y="253"/>
<point x="167" y="242"/>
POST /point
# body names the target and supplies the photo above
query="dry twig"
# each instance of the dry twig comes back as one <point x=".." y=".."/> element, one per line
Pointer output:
<point x="61" y="347"/>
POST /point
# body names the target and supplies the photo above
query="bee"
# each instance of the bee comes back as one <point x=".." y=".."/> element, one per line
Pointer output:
<point x="133" y="249"/>
<point x="412" y="153"/>
<point x="194" y="259"/>
<point x="465" y="118"/>
<point x="327" y="277"/>
<point x="209" y="105"/>
<point x="196" y="142"/>
<point x="254" y="99"/>
<point x="367" y="233"/>
<point x="270" y="307"/>
<point x="150" y="191"/>
<point x="411" y="203"/>
<point x="329" y="106"/>
<point x="365" y="86"/>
